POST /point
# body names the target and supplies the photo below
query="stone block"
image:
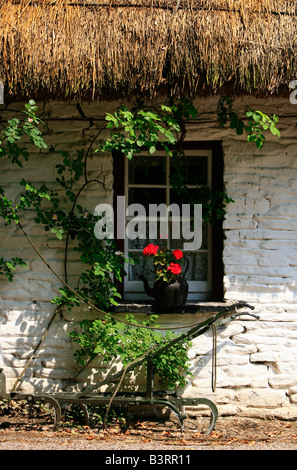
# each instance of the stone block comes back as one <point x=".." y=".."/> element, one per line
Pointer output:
<point x="293" y="398"/>
<point x="282" y="381"/>
<point x="260" y="398"/>
<point x="292" y="390"/>
<point x="247" y="206"/>
<point x="269" y="355"/>
<point x="277" y="223"/>
<point x="239" y="223"/>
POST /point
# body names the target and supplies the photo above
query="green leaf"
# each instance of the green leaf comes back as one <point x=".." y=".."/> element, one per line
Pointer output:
<point x="166" y="108"/>
<point x="251" y="138"/>
<point x="274" y="130"/>
<point x="152" y="149"/>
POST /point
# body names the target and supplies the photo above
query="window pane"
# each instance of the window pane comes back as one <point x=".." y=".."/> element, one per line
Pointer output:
<point x="140" y="244"/>
<point x="179" y="243"/>
<point x="198" y="267"/>
<point x="144" y="268"/>
<point x="188" y="196"/>
<point x="194" y="169"/>
<point x="146" y="196"/>
<point x="147" y="169"/>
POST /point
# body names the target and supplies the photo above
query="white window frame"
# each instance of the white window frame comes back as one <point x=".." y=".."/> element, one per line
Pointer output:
<point x="198" y="290"/>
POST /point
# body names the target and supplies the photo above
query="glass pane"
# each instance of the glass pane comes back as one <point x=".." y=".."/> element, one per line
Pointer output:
<point x="144" y="268"/>
<point x="179" y="242"/>
<point x="197" y="269"/>
<point x="147" y="169"/>
<point x="193" y="168"/>
<point x="157" y="239"/>
<point x="146" y="196"/>
<point x="190" y="196"/>
<point x="198" y="266"/>
<point x="187" y="196"/>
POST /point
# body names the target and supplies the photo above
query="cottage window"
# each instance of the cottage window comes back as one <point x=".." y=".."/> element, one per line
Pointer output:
<point x="146" y="180"/>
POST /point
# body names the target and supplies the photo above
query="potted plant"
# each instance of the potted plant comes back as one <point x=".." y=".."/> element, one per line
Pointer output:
<point x="170" y="288"/>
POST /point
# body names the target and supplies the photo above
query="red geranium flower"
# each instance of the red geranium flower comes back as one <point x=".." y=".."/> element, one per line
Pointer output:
<point x="150" y="249"/>
<point x="178" y="254"/>
<point x="174" y="268"/>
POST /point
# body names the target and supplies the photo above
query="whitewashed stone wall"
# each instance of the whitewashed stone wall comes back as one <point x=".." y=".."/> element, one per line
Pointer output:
<point x="256" y="360"/>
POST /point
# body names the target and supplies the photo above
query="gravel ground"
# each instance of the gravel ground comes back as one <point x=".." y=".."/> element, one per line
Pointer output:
<point x="231" y="433"/>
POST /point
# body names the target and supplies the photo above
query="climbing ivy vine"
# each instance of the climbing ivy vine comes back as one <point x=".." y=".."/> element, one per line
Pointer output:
<point x="258" y="122"/>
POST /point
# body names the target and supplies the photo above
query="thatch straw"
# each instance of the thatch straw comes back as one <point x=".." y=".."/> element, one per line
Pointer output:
<point x="86" y="48"/>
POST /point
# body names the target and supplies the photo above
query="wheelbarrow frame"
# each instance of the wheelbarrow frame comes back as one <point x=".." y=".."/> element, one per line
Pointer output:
<point x="90" y="395"/>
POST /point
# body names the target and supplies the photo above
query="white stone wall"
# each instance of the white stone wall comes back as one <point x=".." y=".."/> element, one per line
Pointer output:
<point x="256" y="360"/>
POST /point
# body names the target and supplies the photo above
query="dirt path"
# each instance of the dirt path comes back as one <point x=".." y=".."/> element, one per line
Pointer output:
<point x="231" y="433"/>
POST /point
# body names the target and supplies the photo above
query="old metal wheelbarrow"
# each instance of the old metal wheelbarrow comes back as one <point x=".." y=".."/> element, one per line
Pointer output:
<point x="176" y="404"/>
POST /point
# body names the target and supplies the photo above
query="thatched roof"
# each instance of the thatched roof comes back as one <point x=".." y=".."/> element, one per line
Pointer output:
<point x="60" y="48"/>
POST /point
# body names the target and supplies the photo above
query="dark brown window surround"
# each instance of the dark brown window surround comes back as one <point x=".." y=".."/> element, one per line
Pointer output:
<point x="217" y="231"/>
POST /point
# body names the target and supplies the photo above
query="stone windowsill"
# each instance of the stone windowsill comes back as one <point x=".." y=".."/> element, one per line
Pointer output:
<point x="190" y="307"/>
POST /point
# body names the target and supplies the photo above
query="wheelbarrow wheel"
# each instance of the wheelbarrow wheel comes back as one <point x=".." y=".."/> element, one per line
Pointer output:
<point x="204" y="419"/>
<point x="56" y="408"/>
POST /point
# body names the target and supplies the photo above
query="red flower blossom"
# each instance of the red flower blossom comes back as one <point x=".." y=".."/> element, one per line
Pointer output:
<point x="174" y="268"/>
<point x="150" y="249"/>
<point x="178" y="254"/>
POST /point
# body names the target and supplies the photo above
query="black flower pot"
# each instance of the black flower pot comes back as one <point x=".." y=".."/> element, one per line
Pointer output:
<point x="167" y="295"/>
<point x="171" y="295"/>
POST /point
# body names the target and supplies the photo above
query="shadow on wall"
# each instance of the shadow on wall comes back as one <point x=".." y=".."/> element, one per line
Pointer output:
<point x="21" y="332"/>
<point x="53" y="363"/>
<point x="35" y="342"/>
